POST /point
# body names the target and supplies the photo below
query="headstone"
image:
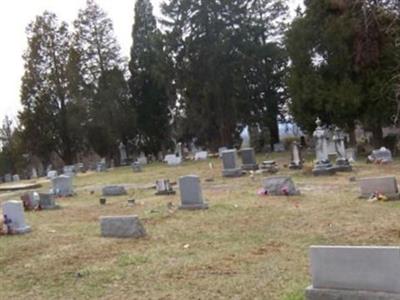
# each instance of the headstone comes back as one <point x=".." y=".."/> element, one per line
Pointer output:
<point x="14" y="211"/>
<point x="382" y="155"/>
<point x="122" y="153"/>
<point x="351" y="155"/>
<point x="382" y="185"/>
<point x="248" y="159"/>
<point x="16" y="178"/>
<point x="142" y="159"/>
<point x="322" y="166"/>
<point x="62" y="186"/>
<point x="136" y="167"/>
<point x="164" y="187"/>
<point x="69" y="170"/>
<point x="114" y="190"/>
<point x="52" y="174"/>
<point x="279" y="186"/>
<point x="230" y="166"/>
<point x="34" y="174"/>
<point x="121" y="227"/>
<point x="47" y="201"/>
<point x="7" y="178"/>
<point x="342" y="163"/>
<point x="173" y="160"/>
<point x="101" y="167"/>
<point x="31" y="200"/>
<point x="269" y="166"/>
<point x="361" y="273"/>
<point x="191" y="193"/>
<point x="201" y="155"/>
<point x="220" y="150"/>
<point x="79" y="168"/>
<point x="297" y="160"/>
<point x="279" y="147"/>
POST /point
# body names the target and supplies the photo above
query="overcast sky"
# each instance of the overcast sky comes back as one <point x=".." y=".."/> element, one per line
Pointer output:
<point x="15" y="16"/>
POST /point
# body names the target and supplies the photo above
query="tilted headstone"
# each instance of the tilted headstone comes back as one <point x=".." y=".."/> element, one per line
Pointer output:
<point x="114" y="190"/>
<point x="342" y="163"/>
<point x="191" y="193"/>
<point x="201" y="155"/>
<point x="382" y="185"/>
<point x="164" y="187"/>
<point x="122" y="227"/>
<point x="279" y="186"/>
<point x="47" y="201"/>
<point x="52" y="174"/>
<point x="248" y="159"/>
<point x="322" y="165"/>
<point x="173" y="160"/>
<point x="297" y="160"/>
<point x="62" y="186"/>
<point x="136" y="167"/>
<point x="13" y="211"/>
<point x="382" y="155"/>
<point x="230" y="165"/>
<point x="16" y="178"/>
<point x="362" y="273"/>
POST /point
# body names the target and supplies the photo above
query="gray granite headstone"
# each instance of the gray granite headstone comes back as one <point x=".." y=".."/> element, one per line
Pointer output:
<point x="340" y="272"/>
<point x="248" y="159"/>
<point x="230" y="166"/>
<point x="191" y="193"/>
<point x="62" y="186"/>
<point x="114" y="190"/>
<point x="47" y="201"/>
<point x="122" y="227"/>
<point x="383" y="185"/>
<point x="279" y="186"/>
<point x="13" y="211"/>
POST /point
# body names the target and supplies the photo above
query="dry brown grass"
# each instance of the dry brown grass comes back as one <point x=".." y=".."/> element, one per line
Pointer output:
<point x="243" y="247"/>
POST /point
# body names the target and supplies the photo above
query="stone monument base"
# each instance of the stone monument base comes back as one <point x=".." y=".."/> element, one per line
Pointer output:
<point x="331" y="294"/>
<point x="232" y="172"/>
<point x="323" y="169"/>
<point x="194" y="206"/>
<point x="342" y="165"/>
<point x="250" y="167"/>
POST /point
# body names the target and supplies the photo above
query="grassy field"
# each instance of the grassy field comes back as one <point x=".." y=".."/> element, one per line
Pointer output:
<point x="244" y="247"/>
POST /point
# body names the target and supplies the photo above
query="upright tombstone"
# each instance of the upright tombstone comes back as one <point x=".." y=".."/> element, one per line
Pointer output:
<point x="101" y="167"/>
<point x="201" y="155"/>
<point x="121" y="227"/>
<point x="342" y="163"/>
<point x="279" y="186"/>
<point x="136" y="167"/>
<point x="351" y="155"/>
<point x="361" y="273"/>
<point x="379" y="185"/>
<point x="191" y="193"/>
<point x="47" y="201"/>
<point x="249" y="162"/>
<point x="122" y="154"/>
<point x="62" y="186"/>
<point x="34" y="173"/>
<point x="16" y="178"/>
<point x="69" y="170"/>
<point x="297" y="160"/>
<point x="173" y="160"/>
<point x="164" y="187"/>
<point x="142" y="159"/>
<point x="13" y="212"/>
<point x="230" y="166"/>
<point x="52" y="174"/>
<point x="322" y="165"/>
<point x="381" y="155"/>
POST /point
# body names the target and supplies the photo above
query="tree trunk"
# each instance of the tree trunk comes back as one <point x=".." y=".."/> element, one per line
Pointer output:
<point x="377" y="138"/>
<point x="274" y="131"/>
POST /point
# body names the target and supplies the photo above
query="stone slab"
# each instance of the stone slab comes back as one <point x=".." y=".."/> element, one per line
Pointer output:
<point x="330" y="294"/>
<point x="385" y="185"/>
<point x="280" y="186"/>
<point x="369" y="269"/>
<point x="121" y="227"/>
<point x="114" y="190"/>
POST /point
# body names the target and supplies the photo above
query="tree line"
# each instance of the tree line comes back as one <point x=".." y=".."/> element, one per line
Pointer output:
<point x="215" y="67"/>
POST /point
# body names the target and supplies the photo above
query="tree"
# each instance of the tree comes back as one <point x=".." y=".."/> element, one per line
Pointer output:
<point x="149" y="82"/>
<point x="44" y="92"/>
<point x="217" y="47"/>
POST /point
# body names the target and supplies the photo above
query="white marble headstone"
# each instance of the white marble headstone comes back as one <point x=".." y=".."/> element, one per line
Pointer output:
<point x="14" y="211"/>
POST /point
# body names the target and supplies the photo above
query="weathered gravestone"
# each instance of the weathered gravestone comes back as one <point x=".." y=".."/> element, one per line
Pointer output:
<point x="173" y="159"/>
<point x="136" y="167"/>
<point x="342" y="163"/>
<point x="351" y="154"/>
<point x="354" y="273"/>
<point x="248" y="157"/>
<point x="191" y="193"/>
<point x="201" y="155"/>
<point x="31" y="200"/>
<point x="296" y="161"/>
<point x="122" y="154"/>
<point x="69" y="170"/>
<point x="47" y="201"/>
<point x="381" y="155"/>
<point x="13" y="212"/>
<point x="16" y="178"/>
<point x="122" y="227"/>
<point x="101" y="167"/>
<point x="34" y="174"/>
<point x="269" y="166"/>
<point x="52" y="174"/>
<point x="164" y="187"/>
<point x="62" y="186"/>
<point x="142" y="159"/>
<point x="230" y="166"/>
<point x="379" y="185"/>
<point x="114" y="190"/>
<point x="322" y="165"/>
<point x="279" y="186"/>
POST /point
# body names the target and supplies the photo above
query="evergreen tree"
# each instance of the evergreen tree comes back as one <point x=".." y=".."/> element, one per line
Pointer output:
<point x="149" y="83"/>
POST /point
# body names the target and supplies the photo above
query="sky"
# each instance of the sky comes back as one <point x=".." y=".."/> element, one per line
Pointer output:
<point x="17" y="14"/>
